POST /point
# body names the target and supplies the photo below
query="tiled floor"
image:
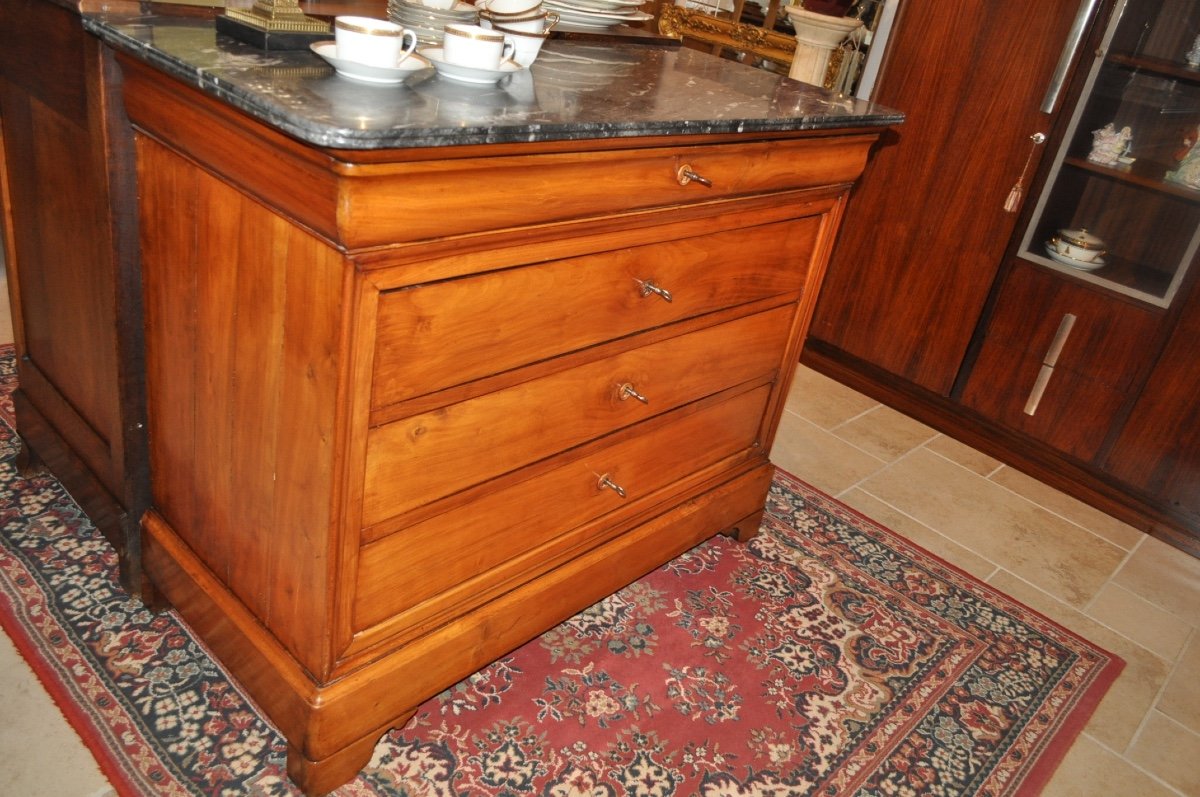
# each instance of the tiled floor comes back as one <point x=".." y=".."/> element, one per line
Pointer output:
<point x="1126" y="591"/>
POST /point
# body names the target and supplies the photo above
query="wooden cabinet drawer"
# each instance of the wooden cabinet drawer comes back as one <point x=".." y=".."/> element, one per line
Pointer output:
<point x="415" y="460"/>
<point x="1059" y="360"/>
<point x="432" y="336"/>
<point x="391" y="203"/>
<point x="459" y="554"/>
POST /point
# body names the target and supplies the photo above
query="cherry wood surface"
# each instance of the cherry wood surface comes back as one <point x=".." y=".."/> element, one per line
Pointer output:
<point x="906" y="288"/>
<point x="1107" y="354"/>
<point x="1159" y="446"/>
<point x="353" y="522"/>
<point x="70" y="244"/>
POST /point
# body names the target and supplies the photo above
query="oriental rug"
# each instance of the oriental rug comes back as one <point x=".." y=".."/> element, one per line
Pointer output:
<point x="827" y="657"/>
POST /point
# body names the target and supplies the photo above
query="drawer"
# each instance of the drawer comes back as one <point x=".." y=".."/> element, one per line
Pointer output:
<point x="391" y="203"/>
<point x="462" y="553"/>
<point x="424" y="457"/>
<point x="433" y="336"/>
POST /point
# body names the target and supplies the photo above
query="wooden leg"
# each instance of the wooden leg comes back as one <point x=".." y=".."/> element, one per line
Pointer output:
<point x="746" y="528"/>
<point x="317" y="778"/>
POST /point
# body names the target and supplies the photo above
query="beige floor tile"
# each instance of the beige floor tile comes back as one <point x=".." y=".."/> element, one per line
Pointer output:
<point x="40" y="754"/>
<point x="962" y="454"/>
<point x="1089" y="770"/>
<point x="1076" y="511"/>
<point x="1132" y="695"/>
<point x="885" y="433"/>
<point x="6" y="328"/>
<point x="818" y="457"/>
<point x="1180" y="699"/>
<point x="1039" y="546"/>
<point x="919" y="533"/>
<point x="823" y="401"/>
<point x="1148" y="625"/>
<point x="1169" y="751"/>
<point x="1164" y="576"/>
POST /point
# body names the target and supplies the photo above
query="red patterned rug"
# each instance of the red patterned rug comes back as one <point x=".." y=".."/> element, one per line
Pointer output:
<point x="827" y="657"/>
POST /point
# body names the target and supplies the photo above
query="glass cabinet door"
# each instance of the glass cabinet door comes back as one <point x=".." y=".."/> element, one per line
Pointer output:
<point x="1121" y="205"/>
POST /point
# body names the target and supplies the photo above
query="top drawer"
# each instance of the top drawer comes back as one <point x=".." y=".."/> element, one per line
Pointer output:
<point x="433" y="336"/>
<point x="404" y="202"/>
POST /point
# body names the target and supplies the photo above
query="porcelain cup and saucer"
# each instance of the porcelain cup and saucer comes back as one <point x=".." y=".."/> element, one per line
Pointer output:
<point x="371" y="50"/>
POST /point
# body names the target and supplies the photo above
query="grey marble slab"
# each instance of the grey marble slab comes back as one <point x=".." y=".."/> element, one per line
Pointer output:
<point x="575" y="90"/>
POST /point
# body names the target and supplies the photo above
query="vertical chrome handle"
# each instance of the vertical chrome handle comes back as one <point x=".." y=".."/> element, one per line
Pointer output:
<point x="606" y="483"/>
<point x="1048" y="363"/>
<point x="1074" y="37"/>
<point x="648" y="287"/>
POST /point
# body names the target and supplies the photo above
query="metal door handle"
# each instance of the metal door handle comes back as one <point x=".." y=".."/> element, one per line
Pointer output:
<point x="1074" y="37"/>
<point x="1048" y="363"/>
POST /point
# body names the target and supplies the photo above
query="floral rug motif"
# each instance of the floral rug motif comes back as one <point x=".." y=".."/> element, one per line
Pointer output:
<point x="826" y="657"/>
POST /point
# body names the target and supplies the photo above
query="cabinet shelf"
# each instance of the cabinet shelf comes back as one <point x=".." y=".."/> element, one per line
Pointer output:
<point x="1159" y="66"/>
<point x="1142" y="173"/>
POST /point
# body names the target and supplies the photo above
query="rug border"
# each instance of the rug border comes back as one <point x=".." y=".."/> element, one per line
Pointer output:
<point x="79" y="721"/>
<point x="1052" y="754"/>
<point x="1031" y="784"/>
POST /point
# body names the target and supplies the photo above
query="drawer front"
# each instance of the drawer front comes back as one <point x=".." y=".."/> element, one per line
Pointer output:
<point x="434" y="336"/>
<point x="390" y="203"/>
<point x="418" y="459"/>
<point x="462" y="553"/>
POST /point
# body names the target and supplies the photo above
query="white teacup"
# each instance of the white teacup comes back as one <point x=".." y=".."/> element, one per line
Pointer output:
<point x="510" y="7"/>
<point x="528" y="45"/>
<point x="537" y="22"/>
<point x="476" y="46"/>
<point x="374" y="42"/>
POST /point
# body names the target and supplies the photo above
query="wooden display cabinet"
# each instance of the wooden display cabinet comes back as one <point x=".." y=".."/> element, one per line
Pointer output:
<point x="1091" y="336"/>
<point x="955" y="311"/>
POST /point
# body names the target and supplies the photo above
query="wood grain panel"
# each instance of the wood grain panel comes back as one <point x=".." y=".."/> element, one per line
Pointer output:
<point x="389" y="203"/>
<point x="63" y="270"/>
<point x="1158" y="451"/>
<point x="1106" y="355"/>
<point x="430" y="338"/>
<point x="926" y="228"/>
<point x="417" y="460"/>
<point x="461" y="551"/>
<point x="243" y="360"/>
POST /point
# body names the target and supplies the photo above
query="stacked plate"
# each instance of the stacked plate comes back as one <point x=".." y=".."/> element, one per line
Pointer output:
<point x="598" y="13"/>
<point x="429" y="23"/>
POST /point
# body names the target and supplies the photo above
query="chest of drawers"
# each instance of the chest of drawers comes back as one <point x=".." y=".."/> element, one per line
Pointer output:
<point x="396" y="433"/>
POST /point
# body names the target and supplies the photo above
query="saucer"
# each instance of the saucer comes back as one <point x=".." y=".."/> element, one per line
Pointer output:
<point x="468" y="74"/>
<point x="1058" y="257"/>
<point x="366" y="73"/>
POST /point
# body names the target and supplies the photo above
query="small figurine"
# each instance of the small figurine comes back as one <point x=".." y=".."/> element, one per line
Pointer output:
<point x="1188" y="155"/>
<point x="1108" y="144"/>
<point x="1193" y="55"/>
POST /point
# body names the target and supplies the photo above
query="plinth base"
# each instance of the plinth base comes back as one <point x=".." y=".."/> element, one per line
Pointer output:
<point x="268" y="39"/>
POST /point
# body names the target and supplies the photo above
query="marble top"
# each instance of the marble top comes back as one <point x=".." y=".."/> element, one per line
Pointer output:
<point x="575" y="90"/>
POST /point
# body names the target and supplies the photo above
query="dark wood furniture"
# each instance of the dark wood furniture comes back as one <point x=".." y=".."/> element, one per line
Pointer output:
<point x="949" y="307"/>
<point x="70" y="252"/>
<point x="409" y="407"/>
